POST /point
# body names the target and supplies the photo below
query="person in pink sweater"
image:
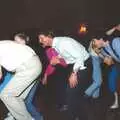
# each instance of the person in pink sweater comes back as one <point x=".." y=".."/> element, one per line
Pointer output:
<point x="52" y="56"/>
<point x="55" y="78"/>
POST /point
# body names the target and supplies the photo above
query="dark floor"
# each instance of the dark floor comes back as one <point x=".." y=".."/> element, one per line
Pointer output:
<point x="100" y="109"/>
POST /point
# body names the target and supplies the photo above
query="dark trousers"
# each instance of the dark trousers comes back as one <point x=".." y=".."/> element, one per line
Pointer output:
<point x="56" y="88"/>
<point x="78" y="105"/>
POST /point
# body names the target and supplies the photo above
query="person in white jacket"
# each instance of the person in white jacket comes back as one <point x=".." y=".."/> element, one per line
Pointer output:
<point x="26" y="67"/>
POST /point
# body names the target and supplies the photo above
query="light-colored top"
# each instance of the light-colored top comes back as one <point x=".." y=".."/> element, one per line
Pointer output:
<point x="71" y="51"/>
<point x="116" y="47"/>
<point x="13" y="54"/>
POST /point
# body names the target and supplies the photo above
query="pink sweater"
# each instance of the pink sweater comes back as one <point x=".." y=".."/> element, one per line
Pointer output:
<point x="51" y="52"/>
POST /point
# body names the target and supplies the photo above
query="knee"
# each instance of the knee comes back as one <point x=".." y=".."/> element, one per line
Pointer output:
<point x="98" y="83"/>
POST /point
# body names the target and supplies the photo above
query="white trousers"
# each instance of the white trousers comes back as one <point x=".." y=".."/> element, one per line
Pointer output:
<point x="15" y="91"/>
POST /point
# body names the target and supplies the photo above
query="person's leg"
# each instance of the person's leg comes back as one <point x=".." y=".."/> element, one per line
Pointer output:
<point x="6" y="79"/>
<point x="76" y="102"/>
<point x="94" y="88"/>
<point x="96" y="94"/>
<point x="61" y="84"/>
<point x="112" y="79"/>
<point x="29" y="102"/>
<point x="112" y="83"/>
<point x="11" y="94"/>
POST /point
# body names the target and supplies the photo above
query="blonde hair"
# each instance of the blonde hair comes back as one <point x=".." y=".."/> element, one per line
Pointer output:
<point x="93" y="49"/>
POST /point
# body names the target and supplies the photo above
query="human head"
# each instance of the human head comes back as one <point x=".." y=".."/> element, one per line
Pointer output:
<point x="97" y="43"/>
<point x="21" y="38"/>
<point x="93" y="50"/>
<point x="45" y="39"/>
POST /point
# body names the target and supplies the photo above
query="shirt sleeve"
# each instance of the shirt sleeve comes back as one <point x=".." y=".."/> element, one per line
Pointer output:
<point x="50" y="52"/>
<point x="49" y="70"/>
<point x="116" y="45"/>
<point x="62" y="62"/>
<point x="78" y="53"/>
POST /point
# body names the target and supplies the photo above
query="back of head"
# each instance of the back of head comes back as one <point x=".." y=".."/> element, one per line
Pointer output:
<point x="23" y="36"/>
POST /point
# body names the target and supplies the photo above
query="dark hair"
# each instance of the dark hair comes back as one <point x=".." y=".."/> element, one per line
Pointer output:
<point x="108" y="38"/>
<point x="47" y="33"/>
<point x="103" y="36"/>
<point x="23" y="36"/>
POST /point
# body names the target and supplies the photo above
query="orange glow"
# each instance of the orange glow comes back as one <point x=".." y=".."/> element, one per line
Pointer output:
<point x="82" y="29"/>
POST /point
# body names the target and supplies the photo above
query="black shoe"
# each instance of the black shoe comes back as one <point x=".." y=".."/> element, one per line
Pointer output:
<point x="86" y="96"/>
<point x="62" y="108"/>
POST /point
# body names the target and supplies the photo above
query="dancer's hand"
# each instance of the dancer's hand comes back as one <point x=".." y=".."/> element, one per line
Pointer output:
<point x="55" y="60"/>
<point x="73" y="80"/>
<point x="44" y="80"/>
<point x="117" y="27"/>
<point x="108" y="60"/>
<point x="0" y="75"/>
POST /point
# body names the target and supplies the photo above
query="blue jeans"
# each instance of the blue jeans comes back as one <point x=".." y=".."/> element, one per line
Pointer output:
<point x="6" y="79"/>
<point x="94" y="89"/>
<point x="29" y="100"/>
<point x="112" y="78"/>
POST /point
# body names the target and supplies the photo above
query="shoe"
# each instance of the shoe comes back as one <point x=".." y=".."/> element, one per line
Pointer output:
<point x="116" y="103"/>
<point x="114" y="106"/>
<point x="62" y="108"/>
<point x="87" y="96"/>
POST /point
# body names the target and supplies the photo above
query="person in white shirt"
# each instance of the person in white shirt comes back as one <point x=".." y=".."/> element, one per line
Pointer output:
<point x="26" y="66"/>
<point x="74" y="54"/>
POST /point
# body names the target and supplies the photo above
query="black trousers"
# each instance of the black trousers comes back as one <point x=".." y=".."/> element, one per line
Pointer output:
<point x="56" y="87"/>
<point x="78" y="106"/>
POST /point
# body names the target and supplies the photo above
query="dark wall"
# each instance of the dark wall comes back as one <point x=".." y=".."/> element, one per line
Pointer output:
<point x="61" y="15"/>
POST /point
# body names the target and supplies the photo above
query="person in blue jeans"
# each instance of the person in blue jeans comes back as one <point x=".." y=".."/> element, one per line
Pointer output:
<point x="113" y="73"/>
<point x="21" y="38"/>
<point x="97" y="59"/>
<point x="94" y="89"/>
<point x="29" y="103"/>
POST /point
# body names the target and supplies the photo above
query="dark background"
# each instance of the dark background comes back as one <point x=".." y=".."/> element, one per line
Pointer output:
<point x="62" y="15"/>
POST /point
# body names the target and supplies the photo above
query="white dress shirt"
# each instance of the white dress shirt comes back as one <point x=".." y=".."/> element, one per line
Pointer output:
<point x="71" y="51"/>
<point x="13" y="54"/>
